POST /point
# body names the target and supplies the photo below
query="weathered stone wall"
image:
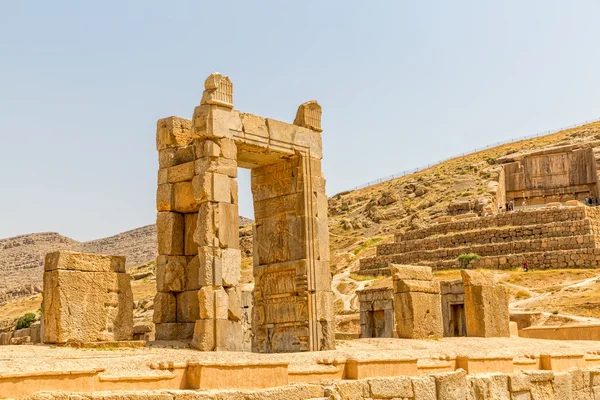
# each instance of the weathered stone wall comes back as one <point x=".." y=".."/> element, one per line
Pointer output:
<point x="417" y="302"/>
<point x="87" y="298"/>
<point x="486" y="305"/>
<point x="528" y="385"/>
<point x="562" y="237"/>
<point x="552" y="175"/>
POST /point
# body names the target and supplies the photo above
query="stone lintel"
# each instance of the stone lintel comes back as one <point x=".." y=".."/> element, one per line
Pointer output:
<point x="68" y="260"/>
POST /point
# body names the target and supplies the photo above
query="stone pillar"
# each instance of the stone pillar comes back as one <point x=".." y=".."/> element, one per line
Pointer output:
<point x="486" y="305"/>
<point x="293" y="304"/>
<point x="216" y="230"/>
<point x="176" y="303"/>
<point x="376" y="312"/>
<point x="417" y="302"/>
<point x="87" y="298"/>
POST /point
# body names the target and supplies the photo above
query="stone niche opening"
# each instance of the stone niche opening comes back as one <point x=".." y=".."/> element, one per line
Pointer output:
<point x="200" y="296"/>
<point x="453" y="308"/>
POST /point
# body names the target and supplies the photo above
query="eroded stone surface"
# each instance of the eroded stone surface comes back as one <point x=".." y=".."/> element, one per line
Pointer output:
<point x="86" y="298"/>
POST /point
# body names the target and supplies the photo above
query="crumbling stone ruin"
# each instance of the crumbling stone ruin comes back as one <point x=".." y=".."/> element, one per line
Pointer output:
<point x="563" y="237"/>
<point x="87" y="298"/>
<point x="453" y="308"/>
<point x="377" y="315"/>
<point x="486" y="305"/>
<point x="424" y="308"/>
<point x="198" y="269"/>
<point x="556" y="174"/>
<point x="417" y="301"/>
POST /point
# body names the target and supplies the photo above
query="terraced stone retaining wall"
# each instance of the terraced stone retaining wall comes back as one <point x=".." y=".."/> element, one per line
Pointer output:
<point x="560" y="237"/>
<point x="532" y="385"/>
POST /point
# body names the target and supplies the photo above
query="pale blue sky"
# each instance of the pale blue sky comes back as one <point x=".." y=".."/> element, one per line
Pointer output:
<point x="401" y="83"/>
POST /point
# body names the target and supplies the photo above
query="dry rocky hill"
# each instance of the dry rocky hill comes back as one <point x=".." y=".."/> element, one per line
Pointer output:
<point x="359" y="220"/>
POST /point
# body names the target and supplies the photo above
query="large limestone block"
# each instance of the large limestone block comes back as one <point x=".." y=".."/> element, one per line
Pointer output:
<point x="223" y="166"/>
<point x="452" y="385"/>
<point x="68" y="260"/>
<point x="228" y="226"/>
<point x="411" y="272"/>
<point x="211" y="121"/>
<point x="170" y="232"/>
<point x="486" y="309"/>
<point x="254" y="126"/>
<point x="280" y="238"/>
<point x="175" y="156"/>
<point x="190" y="246"/>
<point x="183" y="198"/>
<point x="165" y="196"/>
<point x="174" y="331"/>
<point x="477" y="278"/>
<point x="165" y="307"/>
<point x="188" y="308"/>
<point x="229" y="336"/>
<point x="170" y="273"/>
<point x="213" y="303"/>
<point x="389" y="388"/>
<point x="402" y="286"/>
<point x="181" y="172"/>
<point x="206" y="227"/>
<point x="204" y="335"/>
<point x="213" y="187"/>
<point x="298" y="138"/>
<point x="173" y="132"/>
<point x="231" y="267"/>
<point x="234" y="311"/>
<point x="192" y="273"/>
<point x="218" y="225"/>
<point x="210" y="266"/>
<point x="486" y="305"/>
<point x="228" y="148"/>
<point x="418" y="315"/>
<point x="87" y="306"/>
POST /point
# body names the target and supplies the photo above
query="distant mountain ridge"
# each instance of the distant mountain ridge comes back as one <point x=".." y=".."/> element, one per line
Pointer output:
<point x="22" y="257"/>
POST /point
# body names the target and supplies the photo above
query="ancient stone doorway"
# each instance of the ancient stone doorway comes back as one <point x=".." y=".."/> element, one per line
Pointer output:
<point x="457" y="320"/>
<point x="197" y="200"/>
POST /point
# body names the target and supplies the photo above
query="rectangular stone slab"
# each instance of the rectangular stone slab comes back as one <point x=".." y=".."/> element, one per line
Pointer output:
<point x="67" y="260"/>
<point x="87" y="306"/>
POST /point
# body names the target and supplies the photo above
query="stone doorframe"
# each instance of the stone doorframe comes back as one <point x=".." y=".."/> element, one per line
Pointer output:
<point x="198" y="268"/>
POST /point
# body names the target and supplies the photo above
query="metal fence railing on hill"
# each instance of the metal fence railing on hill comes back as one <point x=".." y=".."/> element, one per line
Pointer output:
<point x="414" y="170"/>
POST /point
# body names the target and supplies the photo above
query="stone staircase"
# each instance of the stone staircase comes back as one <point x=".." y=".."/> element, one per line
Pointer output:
<point x="558" y="237"/>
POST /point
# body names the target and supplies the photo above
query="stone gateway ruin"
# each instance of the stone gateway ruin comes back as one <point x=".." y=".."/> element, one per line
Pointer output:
<point x="199" y="262"/>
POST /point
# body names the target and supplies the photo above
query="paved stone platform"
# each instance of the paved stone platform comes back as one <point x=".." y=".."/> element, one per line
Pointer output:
<point x="25" y="370"/>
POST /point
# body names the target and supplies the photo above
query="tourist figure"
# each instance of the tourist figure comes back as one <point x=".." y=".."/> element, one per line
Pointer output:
<point x="525" y="267"/>
<point x="511" y="204"/>
<point x="507" y="206"/>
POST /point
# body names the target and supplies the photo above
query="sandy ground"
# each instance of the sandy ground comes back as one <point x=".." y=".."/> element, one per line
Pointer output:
<point x="132" y="362"/>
